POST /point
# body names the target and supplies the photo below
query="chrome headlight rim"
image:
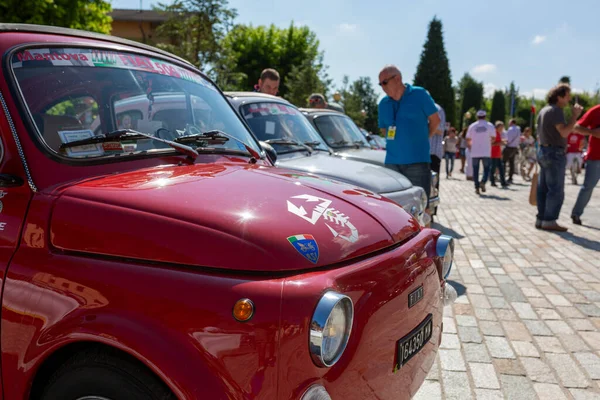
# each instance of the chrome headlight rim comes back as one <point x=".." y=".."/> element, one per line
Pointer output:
<point x="316" y="390"/>
<point x="327" y="303"/>
<point x="445" y="250"/>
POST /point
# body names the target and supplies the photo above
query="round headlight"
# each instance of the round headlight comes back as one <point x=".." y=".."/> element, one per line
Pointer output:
<point x="445" y="249"/>
<point x="330" y="328"/>
<point x="316" y="392"/>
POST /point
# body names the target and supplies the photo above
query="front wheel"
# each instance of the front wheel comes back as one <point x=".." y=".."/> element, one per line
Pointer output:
<point x="103" y="374"/>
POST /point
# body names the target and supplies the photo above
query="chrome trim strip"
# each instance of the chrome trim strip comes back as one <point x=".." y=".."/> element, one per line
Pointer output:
<point x="18" y="143"/>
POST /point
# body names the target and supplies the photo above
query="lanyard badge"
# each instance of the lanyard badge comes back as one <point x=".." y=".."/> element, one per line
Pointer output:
<point x="391" y="133"/>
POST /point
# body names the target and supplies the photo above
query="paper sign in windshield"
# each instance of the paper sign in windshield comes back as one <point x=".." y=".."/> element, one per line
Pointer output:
<point x="80" y="151"/>
<point x="269" y="127"/>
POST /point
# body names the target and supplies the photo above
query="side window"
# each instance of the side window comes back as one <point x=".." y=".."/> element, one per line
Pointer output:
<point x="69" y="114"/>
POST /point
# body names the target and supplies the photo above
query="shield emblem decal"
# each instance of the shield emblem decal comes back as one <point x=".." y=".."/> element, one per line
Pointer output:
<point x="305" y="245"/>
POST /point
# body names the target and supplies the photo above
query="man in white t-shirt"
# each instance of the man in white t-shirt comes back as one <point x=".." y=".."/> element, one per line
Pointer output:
<point x="479" y="140"/>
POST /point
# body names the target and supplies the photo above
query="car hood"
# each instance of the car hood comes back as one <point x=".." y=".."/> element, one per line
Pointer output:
<point x="376" y="157"/>
<point x="369" y="176"/>
<point x="227" y="216"/>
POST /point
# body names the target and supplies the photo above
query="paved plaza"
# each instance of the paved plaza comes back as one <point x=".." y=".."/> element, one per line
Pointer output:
<point x="526" y="324"/>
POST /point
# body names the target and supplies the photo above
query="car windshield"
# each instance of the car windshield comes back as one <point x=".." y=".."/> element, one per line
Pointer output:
<point x="340" y="131"/>
<point x="380" y="141"/>
<point x="76" y="94"/>
<point x="271" y="121"/>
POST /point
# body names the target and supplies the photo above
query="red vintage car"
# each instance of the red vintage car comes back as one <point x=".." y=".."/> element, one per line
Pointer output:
<point x="160" y="255"/>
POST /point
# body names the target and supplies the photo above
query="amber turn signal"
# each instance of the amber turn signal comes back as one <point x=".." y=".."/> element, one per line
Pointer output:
<point x="243" y="310"/>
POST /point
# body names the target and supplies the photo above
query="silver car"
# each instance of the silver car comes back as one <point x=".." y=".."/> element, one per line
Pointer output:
<point x="293" y="142"/>
<point x="345" y="139"/>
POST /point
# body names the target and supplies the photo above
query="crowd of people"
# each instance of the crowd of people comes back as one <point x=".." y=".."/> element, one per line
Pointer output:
<point x="419" y="138"/>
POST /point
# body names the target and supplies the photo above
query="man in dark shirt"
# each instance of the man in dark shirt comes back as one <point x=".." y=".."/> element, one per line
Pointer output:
<point x="552" y="132"/>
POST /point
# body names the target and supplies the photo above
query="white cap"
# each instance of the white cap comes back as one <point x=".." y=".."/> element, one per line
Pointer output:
<point x="481" y="113"/>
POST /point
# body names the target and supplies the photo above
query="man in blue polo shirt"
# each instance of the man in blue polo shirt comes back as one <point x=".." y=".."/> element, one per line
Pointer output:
<point x="407" y="119"/>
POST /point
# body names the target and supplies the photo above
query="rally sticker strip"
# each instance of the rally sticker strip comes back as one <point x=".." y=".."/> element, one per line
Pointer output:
<point x="323" y="210"/>
<point x="306" y="245"/>
<point x="60" y="57"/>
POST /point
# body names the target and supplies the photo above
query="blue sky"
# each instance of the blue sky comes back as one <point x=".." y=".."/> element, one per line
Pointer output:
<point x="532" y="42"/>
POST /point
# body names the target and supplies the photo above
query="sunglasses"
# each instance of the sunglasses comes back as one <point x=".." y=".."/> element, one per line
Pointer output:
<point x="385" y="81"/>
<point x="315" y="100"/>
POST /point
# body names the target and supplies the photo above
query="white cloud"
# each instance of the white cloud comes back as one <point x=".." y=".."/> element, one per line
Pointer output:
<point x="489" y="89"/>
<point x="483" y="69"/>
<point x="538" y="39"/>
<point x="347" y="28"/>
<point x="538" y="94"/>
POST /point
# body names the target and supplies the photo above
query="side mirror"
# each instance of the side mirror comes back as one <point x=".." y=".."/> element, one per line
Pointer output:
<point x="271" y="153"/>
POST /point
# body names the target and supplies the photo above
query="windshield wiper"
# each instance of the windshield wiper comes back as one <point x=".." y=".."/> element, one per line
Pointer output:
<point x="130" y="134"/>
<point x="360" y="143"/>
<point x="340" y="143"/>
<point x="316" y="143"/>
<point x="288" y="142"/>
<point x="217" y="137"/>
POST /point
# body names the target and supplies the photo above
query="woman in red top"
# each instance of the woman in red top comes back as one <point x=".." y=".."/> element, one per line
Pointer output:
<point x="590" y="120"/>
<point x="497" y="155"/>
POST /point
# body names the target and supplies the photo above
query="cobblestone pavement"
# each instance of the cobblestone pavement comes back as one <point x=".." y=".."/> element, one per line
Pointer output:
<point x="526" y="324"/>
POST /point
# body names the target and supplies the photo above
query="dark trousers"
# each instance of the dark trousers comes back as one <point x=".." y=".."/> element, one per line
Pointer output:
<point x="486" y="161"/>
<point x="418" y="174"/>
<point x="449" y="156"/>
<point x="497" y="164"/>
<point x="436" y="165"/>
<point x="508" y="156"/>
<point x="551" y="182"/>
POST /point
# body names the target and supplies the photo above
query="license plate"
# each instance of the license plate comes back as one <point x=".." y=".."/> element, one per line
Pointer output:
<point x="412" y="343"/>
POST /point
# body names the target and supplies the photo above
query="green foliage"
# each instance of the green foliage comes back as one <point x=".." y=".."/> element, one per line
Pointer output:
<point x="303" y="80"/>
<point x="358" y="97"/>
<point x="470" y="95"/>
<point x="498" y="108"/>
<point x="433" y="71"/>
<point x="89" y="15"/>
<point x="293" y="52"/>
<point x="195" y="30"/>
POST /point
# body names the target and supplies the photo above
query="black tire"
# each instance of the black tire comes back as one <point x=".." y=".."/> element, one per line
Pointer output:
<point x="107" y="374"/>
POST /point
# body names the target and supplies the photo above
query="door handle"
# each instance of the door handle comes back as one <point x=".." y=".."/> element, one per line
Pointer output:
<point x="7" y="180"/>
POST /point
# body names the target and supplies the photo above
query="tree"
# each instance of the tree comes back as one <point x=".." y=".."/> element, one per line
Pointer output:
<point x="195" y="30"/>
<point x="89" y="15"/>
<point x="360" y="102"/>
<point x="470" y="95"/>
<point x="433" y="71"/>
<point x="292" y="52"/>
<point x="498" y="112"/>
<point x="303" y="80"/>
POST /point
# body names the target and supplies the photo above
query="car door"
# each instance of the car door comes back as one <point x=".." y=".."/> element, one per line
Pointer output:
<point x="15" y="195"/>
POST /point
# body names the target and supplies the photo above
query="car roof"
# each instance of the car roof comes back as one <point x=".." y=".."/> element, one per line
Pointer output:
<point x="54" y="30"/>
<point x="255" y="96"/>
<point x="315" y="111"/>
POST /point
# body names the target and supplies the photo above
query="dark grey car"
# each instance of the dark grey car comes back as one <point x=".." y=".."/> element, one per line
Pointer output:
<point x="298" y="146"/>
<point x="346" y="141"/>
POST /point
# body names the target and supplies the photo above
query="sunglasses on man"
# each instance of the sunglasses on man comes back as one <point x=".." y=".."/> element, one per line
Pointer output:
<point x="385" y="81"/>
